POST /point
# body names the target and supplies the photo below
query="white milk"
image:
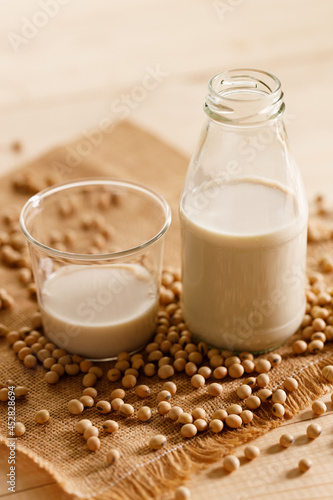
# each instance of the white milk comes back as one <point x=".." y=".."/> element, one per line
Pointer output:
<point x="99" y="311"/>
<point x="243" y="259"/>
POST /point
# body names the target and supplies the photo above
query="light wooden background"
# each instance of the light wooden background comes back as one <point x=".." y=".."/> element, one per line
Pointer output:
<point x="66" y="76"/>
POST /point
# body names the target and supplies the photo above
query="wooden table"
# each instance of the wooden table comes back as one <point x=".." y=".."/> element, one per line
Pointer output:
<point x="67" y="77"/>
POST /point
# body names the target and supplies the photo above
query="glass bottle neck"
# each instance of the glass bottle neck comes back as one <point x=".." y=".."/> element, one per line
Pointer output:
<point x="244" y="97"/>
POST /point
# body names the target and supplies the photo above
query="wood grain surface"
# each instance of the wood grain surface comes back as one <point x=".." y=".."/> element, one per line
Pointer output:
<point x="89" y="58"/>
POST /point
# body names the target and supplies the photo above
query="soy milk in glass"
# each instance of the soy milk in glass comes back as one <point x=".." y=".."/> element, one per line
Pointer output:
<point x="243" y="216"/>
<point x="96" y="247"/>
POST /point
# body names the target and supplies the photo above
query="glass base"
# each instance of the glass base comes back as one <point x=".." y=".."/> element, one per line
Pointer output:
<point x="237" y="352"/>
<point x="113" y="358"/>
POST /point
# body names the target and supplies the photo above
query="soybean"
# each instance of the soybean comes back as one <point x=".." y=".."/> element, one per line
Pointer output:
<point x="89" y="380"/>
<point x="52" y="377"/>
<point x="116" y="403"/>
<point x="166" y="371"/>
<point x="82" y="425"/>
<point x="182" y="493"/>
<point x="200" y="424"/>
<point x="274" y="359"/>
<point x="20" y="392"/>
<point x="144" y="413"/>
<point x="112" y="456"/>
<point x="90" y="431"/>
<point x="216" y="425"/>
<point x="286" y="440"/>
<point x="264" y="395"/>
<point x="157" y="442"/>
<point x="262" y="366"/>
<point x="233" y="421"/>
<point x="236" y="370"/>
<point x="313" y="431"/>
<point x="58" y="368"/>
<point x="246" y="416"/>
<point x="231" y="463"/>
<point x="72" y="369"/>
<point x="244" y="391"/>
<point x="299" y="347"/>
<point x="290" y="384"/>
<point x="205" y="371"/>
<point x="129" y="381"/>
<point x="198" y="381"/>
<point x="328" y="373"/>
<point x="4" y="394"/>
<point x="114" y="375"/>
<point x="30" y="361"/>
<point x="262" y="380"/>
<point x="214" y="389"/>
<point x="93" y="443"/>
<point x="253" y="402"/>
<point x="143" y="391"/>
<point x="220" y="372"/>
<point x="163" y="396"/>
<point x="19" y="429"/>
<point x="279" y="396"/>
<point x="90" y="391"/>
<point x="175" y="412"/>
<point x="232" y="360"/>
<point x="315" y="346"/>
<point x="126" y="410"/>
<point x="199" y="413"/>
<point x="42" y="416"/>
<point x="278" y="410"/>
<point x="319" y="408"/>
<point x="120" y="393"/>
<point x="188" y="430"/>
<point x="234" y="409"/>
<point x="96" y="370"/>
<point x="251" y="381"/>
<point x="305" y="464"/>
<point x="87" y="401"/>
<point x="110" y="426"/>
<point x="248" y="365"/>
<point x="170" y="386"/>
<point x="75" y="406"/>
<point x="220" y="414"/>
<point x="190" y="369"/>
<point x="185" y="418"/>
<point x="251" y="452"/>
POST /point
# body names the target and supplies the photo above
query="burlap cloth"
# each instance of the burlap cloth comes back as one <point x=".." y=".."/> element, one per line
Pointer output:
<point x="132" y="154"/>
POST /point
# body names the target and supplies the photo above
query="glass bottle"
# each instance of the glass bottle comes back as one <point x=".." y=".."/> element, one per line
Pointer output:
<point x="243" y="214"/>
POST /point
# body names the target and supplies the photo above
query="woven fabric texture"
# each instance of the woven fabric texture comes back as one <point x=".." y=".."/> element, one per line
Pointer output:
<point x="130" y="153"/>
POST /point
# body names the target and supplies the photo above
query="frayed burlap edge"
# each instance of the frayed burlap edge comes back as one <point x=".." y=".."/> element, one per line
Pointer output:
<point x="168" y="468"/>
<point x="172" y="467"/>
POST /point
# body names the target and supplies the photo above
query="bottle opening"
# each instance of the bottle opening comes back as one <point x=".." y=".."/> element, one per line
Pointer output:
<point x="244" y="96"/>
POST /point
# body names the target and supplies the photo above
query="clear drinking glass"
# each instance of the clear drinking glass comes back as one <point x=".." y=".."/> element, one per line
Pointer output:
<point x="244" y="216"/>
<point x="96" y="247"/>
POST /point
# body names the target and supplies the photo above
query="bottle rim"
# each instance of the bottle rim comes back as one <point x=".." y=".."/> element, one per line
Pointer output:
<point x="244" y="96"/>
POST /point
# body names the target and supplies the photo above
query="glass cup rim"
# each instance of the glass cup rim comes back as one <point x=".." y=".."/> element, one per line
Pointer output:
<point x="91" y="181"/>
